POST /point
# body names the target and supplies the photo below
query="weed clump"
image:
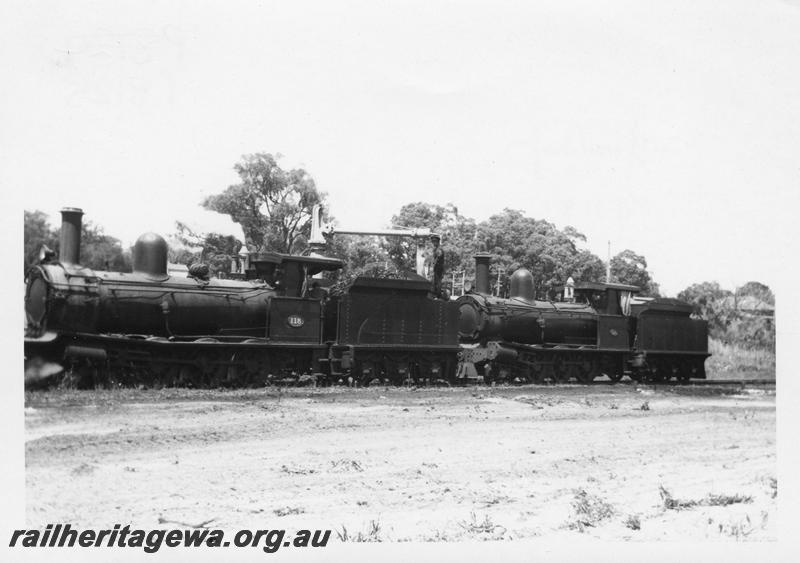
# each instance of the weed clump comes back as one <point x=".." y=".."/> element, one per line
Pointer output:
<point x="485" y="528"/>
<point x="371" y="534"/>
<point x="671" y="503"/>
<point x="633" y="522"/>
<point x="589" y="510"/>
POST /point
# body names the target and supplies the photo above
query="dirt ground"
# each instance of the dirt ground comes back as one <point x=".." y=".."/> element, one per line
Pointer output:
<point x="435" y="464"/>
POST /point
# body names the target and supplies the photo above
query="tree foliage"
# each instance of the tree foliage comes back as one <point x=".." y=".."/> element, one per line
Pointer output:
<point x="457" y="232"/>
<point x="551" y="254"/>
<point x="99" y="251"/>
<point x="757" y="290"/>
<point x="272" y="205"/>
<point x="214" y="249"/>
<point x="359" y="253"/>
<point x="727" y="323"/>
<point x="631" y="268"/>
<point x="37" y="232"/>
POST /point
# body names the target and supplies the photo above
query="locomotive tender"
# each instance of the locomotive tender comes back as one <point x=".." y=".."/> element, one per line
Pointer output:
<point x="152" y="327"/>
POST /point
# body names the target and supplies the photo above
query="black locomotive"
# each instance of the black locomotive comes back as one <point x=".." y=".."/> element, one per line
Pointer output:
<point x="601" y="329"/>
<point x="153" y="327"/>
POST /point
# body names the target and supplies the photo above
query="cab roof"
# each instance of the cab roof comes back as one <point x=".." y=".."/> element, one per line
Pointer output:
<point x="599" y="286"/>
<point x="315" y="264"/>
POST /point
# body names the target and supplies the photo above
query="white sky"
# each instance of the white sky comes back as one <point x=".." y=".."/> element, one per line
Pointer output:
<point x="671" y="128"/>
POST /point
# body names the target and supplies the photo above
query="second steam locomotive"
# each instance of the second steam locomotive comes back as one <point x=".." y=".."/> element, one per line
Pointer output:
<point x="154" y="327"/>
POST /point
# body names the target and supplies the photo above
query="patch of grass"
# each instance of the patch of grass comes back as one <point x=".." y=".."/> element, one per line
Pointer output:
<point x="288" y="510"/>
<point x="725" y="500"/>
<point x="346" y="465"/>
<point x="728" y="361"/>
<point x="296" y="470"/>
<point x="671" y="503"/>
<point x="589" y="510"/>
<point x="633" y="522"/>
<point x="485" y="528"/>
<point x="738" y="529"/>
<point x="371" y="534"/>
<point x="773" y="484"/>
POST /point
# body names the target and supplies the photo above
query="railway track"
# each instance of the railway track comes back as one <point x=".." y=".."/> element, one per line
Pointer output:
<point x="705" y="382"/>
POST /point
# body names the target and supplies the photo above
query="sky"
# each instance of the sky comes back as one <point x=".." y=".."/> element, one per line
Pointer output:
<point x="669" y="128"/>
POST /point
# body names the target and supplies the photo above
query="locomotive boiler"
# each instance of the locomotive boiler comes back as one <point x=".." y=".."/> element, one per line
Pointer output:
<point x="64" y="296"/>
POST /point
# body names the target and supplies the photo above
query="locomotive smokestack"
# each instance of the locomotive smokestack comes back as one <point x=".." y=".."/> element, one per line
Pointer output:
<point x="70" y="240"/>
<point x="482" y="272"/>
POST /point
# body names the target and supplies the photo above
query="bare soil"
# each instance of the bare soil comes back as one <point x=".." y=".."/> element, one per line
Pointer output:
<point x="435" y="464"/>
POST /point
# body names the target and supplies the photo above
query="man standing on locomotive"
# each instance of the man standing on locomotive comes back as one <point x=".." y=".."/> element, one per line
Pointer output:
<point x="438" y="266"/>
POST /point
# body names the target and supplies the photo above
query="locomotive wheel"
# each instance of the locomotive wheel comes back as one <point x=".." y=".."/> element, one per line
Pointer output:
<point x="560" y="377"/>
<point x="561" y="373"/>
<point x="587" y="371"/>
<point x="612" y="368"/>
<point x="684" y="371"/>
<point x="656" y="372"/>
<point x="674" y="370"/>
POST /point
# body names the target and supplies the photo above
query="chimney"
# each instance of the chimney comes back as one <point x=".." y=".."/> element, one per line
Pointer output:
<point x="70" y="240"/>
<point x="482" y="272"/>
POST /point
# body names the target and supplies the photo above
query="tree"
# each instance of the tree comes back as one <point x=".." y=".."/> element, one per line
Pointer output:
<point x="631" y="268"/>
<point x="37" y="232"/>
<point x="702" y="296"/>
<point x="359" y="253"/>
<point x="214" y="249"/>
<point x="725" y="322"/>
<point x="272" y="205"/>
<point x="99" y="251"/>
<point x="549" y="253"/>
<point x="757" y="290"/>
<point x="708" y="301"/>
<point x="457" y="232"/>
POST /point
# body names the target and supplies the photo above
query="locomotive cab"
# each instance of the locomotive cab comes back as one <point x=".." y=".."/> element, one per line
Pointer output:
<point x="290" y="275"/>
<point x="606" y="298"/>
<point x="296" y="312"/>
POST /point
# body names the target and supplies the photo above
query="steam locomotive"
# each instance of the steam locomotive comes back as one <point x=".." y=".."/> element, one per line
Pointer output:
<point x="279" y="324"/>
<point x="154" y="327"/>
<point x="599" y="329"/>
